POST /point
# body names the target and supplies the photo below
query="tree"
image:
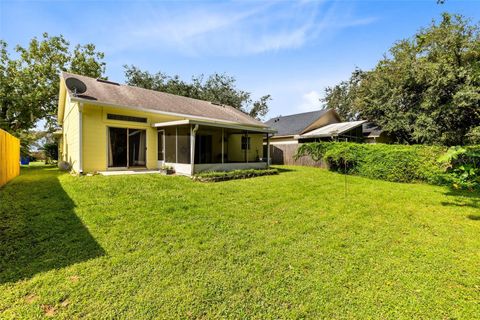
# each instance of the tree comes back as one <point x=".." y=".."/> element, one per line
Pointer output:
<point x="342" y="97"/>
<point x="426" y="90"/>
<point x="29" y="85"/>
<point x="219" y="88"/>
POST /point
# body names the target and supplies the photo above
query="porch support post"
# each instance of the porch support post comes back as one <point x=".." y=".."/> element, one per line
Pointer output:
<point x="176" y="144"/>
<point x="193" y="131"/>
<point x="223" y="146"/>
<point x="268" y="150"/>
<point x="247" y="146"/>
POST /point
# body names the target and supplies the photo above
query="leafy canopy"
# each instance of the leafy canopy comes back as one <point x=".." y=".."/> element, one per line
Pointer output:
<point x="427" y="90"/>
<point x="219" y="88"/>
<point x="29" y="84"/>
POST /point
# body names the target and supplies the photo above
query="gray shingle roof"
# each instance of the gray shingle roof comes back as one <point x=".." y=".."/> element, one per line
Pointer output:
<point x="294" y="124"/>
<point x="143" y="99"/>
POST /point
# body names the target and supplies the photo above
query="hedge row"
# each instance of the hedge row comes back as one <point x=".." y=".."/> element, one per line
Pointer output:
<point x="214" y="176"/>
<point x="400" y="163"/>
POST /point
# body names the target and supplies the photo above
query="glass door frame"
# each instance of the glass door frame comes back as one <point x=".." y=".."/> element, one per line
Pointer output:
<point x="128" y="148"/>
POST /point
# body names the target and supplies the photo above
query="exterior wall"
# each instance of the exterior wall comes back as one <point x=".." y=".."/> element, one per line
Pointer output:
<point x="70" y="135"/>
<point x="95" y="135"/>
<point x="285" y="140"/>
<point x="235" y="152"/>
<point x="228" y="166"/>
<point x="180" y="168"/>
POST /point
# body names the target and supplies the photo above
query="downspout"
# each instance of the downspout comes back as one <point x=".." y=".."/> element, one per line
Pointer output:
<point x="192" y="149"/>
<point x="80" y="138"/>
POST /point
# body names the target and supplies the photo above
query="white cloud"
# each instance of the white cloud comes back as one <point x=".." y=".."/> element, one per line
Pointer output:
<point x="232" y="29"/>
<point x="310" y="101"/>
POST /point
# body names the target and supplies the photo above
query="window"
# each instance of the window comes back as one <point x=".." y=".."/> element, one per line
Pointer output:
<point x="245" y="143"/>
<point x="126" y="118"/>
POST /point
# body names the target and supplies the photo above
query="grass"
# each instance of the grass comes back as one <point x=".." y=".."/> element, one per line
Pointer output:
<point x="283" y="246"/>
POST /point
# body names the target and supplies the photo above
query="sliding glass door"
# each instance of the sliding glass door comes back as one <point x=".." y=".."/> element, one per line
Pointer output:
<point x="126" y="147"/>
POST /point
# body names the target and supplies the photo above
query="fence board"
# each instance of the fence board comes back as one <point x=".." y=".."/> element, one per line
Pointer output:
<point x="284" y="154"/>
<point x="9" y="157"/>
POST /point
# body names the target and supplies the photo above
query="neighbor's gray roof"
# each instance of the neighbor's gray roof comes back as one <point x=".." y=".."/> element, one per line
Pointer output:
<point x="333" y="129"/>
<point x="294" y="124"/>
<point x="150" y="100"/>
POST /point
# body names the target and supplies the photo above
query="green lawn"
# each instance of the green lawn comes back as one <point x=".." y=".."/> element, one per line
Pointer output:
<point x="285" y="246"/>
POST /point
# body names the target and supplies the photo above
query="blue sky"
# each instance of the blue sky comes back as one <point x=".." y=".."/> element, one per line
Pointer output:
<point x="291" y="50"/>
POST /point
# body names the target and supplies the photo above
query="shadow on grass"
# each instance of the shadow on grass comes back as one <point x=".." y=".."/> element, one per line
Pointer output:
<point x="280" y="169"/>
<point x="474" y="217"/>
<point x="39" y="230"/>
<point x="464" y="199"/>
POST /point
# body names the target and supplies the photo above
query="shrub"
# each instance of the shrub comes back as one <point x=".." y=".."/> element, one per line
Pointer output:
<point x="51" y="151"/>
<point x="400" y="163"/>
<point x="463" y="167"/>
<point x="214" y="176"/>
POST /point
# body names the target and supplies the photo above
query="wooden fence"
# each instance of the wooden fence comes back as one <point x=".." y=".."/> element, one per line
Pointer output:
<point x="9" y="157"/>
<point x="284" y="154"/>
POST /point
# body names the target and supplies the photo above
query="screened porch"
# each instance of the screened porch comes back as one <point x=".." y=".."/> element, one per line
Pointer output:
<point x="192" y="146"/>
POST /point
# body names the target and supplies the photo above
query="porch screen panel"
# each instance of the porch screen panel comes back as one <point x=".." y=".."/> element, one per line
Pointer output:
<point x="183" y="144"/>
<point x="170" y="144"/>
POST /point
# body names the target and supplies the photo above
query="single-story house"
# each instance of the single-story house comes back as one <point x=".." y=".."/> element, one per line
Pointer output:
<point x="110" y="126"/>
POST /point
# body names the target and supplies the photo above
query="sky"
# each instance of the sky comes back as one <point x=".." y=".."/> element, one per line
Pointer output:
<point x="290" y="50"/>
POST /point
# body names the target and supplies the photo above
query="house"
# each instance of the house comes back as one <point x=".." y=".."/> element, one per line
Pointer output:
<point x="284" y="143"/>
<point x="110" y="126"/>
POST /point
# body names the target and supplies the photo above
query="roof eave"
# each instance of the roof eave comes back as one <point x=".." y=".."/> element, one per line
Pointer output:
<point x="214" y="124"/>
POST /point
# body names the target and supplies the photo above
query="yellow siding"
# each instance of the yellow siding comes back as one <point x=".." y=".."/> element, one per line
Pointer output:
<point x="70" y="135"/>
<point x="235" y="152"/>
<point x="96" y="124"/>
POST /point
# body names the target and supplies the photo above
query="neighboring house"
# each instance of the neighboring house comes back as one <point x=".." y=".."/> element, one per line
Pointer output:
<point x="117" y="127"/>
<point x="284" y="143"/>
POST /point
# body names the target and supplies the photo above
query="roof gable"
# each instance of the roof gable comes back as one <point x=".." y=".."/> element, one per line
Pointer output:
<point x="113" y="94"/>
<point x="296" y="123"/>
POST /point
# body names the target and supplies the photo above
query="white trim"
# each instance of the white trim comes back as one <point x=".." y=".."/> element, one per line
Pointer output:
<point x="193" y="133"/>
<point x="176" y="144"/>
<point x="163" y="146"/>
<point x="215" y="124"/>
<point x="200" y="167"/>
<point x="170" y="123"/>
<point x="223" y="145"/>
